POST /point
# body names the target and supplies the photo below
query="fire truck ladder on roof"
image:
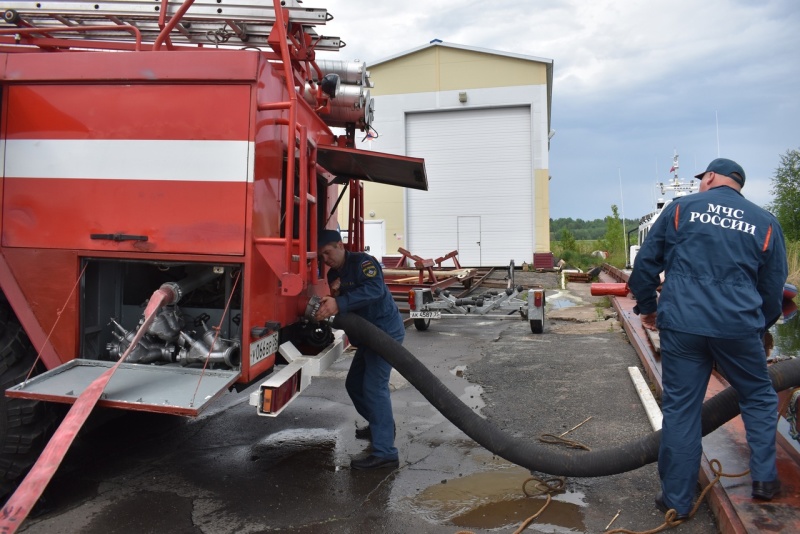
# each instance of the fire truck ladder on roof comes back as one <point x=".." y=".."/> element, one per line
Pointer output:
<point x="200" y="22"/>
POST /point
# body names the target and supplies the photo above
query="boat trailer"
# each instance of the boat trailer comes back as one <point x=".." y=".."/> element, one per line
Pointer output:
<point x="429" y="273"/>
<point x="426" y="304"/>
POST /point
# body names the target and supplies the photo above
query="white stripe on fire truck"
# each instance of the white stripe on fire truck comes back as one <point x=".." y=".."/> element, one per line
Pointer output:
<point x="107" y="159"/>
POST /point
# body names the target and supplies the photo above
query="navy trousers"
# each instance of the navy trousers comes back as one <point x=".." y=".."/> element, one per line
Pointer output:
<point x="686" y="363"/>
<point x="367" y="384"/>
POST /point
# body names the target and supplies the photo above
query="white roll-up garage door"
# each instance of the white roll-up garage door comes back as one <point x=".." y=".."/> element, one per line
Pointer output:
<point x="480" y="185"/>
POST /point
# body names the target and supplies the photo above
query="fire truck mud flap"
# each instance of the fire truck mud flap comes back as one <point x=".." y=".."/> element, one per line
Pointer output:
<point x="150" y="388"/>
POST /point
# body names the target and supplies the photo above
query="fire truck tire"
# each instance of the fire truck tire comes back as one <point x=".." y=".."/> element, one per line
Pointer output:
<point x="25" y="425"/>
<point x="717" y="410"/>
<point x="422" y="324"/>
<point x="537" y="326"/>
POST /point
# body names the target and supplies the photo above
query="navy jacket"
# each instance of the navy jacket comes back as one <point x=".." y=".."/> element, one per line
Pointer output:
<point x="363" y="292"/>
<point x="724" y="260"/>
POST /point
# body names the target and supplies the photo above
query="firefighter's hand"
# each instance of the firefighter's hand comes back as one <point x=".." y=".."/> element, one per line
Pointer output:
<point x="327" y="308"/>
<point x="648" y="321"/>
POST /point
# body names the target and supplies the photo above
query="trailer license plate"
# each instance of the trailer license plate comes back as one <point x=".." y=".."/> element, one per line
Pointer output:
<point x="264" y="347"/>
<point x="426" y="315"/>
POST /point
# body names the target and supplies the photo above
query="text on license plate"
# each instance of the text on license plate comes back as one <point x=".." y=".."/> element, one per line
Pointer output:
<point x="426" y="315"/>
<point x="266" y="346"/>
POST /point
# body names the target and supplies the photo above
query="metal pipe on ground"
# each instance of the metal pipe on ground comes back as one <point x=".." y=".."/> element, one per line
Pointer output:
<point x="602" y="289"/>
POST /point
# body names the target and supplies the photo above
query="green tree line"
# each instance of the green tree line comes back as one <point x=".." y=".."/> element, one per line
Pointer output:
<point x="786" y="207"/>
<point x="574" y="240"/>
<point x="786" y="189"/>
<point x="582" y="230"/>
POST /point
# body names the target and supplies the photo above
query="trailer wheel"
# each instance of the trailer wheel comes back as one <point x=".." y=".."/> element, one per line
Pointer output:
<point x="537" y="326"/>
<point x="422" y="324"/>
<point x="25" y="425"/>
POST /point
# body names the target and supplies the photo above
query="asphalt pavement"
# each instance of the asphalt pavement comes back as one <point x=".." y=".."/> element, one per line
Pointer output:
<point x="231" y="471"/>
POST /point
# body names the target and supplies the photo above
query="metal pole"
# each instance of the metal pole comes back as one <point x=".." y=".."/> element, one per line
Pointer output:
<point x="622" y="212"/>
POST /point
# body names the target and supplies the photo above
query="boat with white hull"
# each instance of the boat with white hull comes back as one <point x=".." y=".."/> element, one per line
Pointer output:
<point x="676" y="187"/>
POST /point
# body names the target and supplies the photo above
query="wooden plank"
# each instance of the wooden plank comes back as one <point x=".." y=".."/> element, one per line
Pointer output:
<point x="655" y="340"/>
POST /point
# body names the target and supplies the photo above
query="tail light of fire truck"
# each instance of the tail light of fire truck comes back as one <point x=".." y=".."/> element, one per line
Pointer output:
<point x="286" y="383"/>
<point x="276" y="393"/>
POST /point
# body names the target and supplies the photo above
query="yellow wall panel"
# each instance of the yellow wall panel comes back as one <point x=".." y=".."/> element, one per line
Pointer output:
<point x="448" y="69"/>
<point x="387" y="202"/>
<point x="541" y="222"/>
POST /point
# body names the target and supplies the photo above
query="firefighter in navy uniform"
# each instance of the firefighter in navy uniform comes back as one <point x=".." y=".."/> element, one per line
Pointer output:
<point x="724" y="260"/>
<point x="356" y="280"/>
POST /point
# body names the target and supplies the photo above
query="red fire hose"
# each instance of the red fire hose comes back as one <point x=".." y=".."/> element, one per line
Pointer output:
<point x="24" y="498"/>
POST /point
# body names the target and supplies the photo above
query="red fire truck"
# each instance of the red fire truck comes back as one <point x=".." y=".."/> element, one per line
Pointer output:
<point x="186" y="145"/>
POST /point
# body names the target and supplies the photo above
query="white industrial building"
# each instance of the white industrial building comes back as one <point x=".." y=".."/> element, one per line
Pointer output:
<point x="481" y="120"/>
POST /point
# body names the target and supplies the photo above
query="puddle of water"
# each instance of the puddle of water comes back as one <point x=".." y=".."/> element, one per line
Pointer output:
<point x="560" y="303"/>
<point x="148" y="511"/>
<point x="315" y="444"/>
<point x="494" y="499"/>
<point x="458" y="370"/>
<point x="472" y="393"/>
<point x="558" y="300"/>
<point x="562" y="517"/>
<point x="472" y="398"/>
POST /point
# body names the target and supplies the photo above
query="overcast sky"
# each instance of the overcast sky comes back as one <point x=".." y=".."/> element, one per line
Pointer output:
<point x="634" y="80"/>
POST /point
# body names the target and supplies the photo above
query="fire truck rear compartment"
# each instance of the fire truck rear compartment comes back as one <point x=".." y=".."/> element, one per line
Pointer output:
<point x="116" y="292"/>
<point x="189" y="355"/>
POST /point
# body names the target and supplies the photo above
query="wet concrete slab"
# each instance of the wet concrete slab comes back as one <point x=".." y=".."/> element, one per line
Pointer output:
<point x="230" y="471"/>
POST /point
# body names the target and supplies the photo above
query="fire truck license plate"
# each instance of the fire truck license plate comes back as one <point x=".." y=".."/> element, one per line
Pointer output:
<point x="426" y="315"/>
<point x="263" y="347"/>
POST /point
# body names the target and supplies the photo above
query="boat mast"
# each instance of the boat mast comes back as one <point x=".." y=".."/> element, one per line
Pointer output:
<point x="678" y="186"/>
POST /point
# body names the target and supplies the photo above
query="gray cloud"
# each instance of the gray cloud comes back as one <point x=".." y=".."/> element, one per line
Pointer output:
<point x="633" y="81"/>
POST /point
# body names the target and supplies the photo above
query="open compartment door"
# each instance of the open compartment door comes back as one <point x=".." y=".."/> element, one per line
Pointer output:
<point x="366" y="166"/>
<point x="147" y="388"/>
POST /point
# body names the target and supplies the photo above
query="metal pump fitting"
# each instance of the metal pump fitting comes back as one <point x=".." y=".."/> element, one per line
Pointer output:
<point x="146" y="351"/>
<point x="167" y="325"/>
<point x="198" y="351"/>
<point x="312" y="308"/>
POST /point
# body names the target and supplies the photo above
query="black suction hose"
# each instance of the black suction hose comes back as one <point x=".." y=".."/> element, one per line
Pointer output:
<point x="602" y="462"/>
